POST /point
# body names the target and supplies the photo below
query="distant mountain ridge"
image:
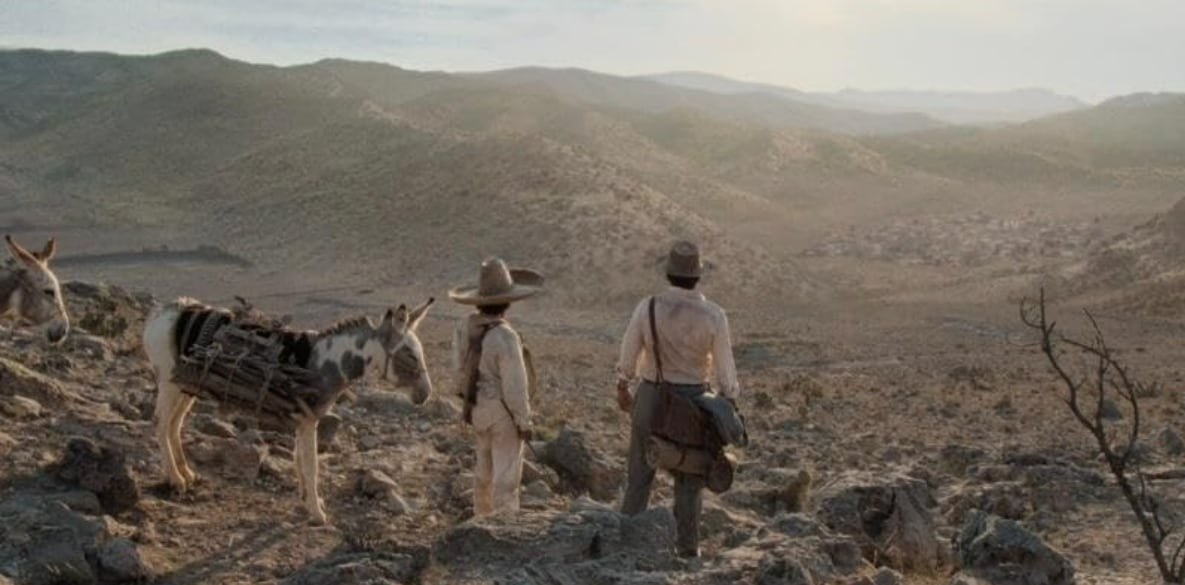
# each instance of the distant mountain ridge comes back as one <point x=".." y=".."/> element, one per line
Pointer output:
<point x="957" y="107"/>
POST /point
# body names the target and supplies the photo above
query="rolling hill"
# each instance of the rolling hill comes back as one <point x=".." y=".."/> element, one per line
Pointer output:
<point x="339" y="173"/>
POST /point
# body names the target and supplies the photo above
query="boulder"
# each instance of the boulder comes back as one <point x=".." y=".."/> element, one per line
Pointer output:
<point x="48" y="543"/>
<point x="100" y="470"/>
<point x="889" y="515"/>
<point x="1002" y="551"/>
<point x="120" y="562"/>
<point x="581" y="468"/>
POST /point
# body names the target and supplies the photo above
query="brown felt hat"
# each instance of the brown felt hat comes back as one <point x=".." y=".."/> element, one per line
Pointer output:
<point x="498" y="284"/>
<point x="684" y="261"/>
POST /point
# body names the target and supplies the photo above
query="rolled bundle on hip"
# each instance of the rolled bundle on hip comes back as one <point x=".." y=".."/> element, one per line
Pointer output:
<point x="664" y="454"/>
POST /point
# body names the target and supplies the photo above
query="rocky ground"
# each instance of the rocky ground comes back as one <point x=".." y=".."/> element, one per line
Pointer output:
<point x="929" y="449"/>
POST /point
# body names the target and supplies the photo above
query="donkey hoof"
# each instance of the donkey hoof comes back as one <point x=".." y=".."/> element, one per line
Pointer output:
<point x="319" y="519"/>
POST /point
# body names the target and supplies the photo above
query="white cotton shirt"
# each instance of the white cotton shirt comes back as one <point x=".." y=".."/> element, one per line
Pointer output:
<point x="502" y="373"/>
<point x="694" y="342"/>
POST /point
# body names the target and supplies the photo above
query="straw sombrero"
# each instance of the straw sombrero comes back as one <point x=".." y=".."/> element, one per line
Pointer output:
<point x="498" y="284"/>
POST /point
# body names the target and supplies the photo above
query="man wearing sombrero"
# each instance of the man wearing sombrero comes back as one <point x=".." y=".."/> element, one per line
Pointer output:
<point x="494" y="382"/>
<point x="693" y="343"/>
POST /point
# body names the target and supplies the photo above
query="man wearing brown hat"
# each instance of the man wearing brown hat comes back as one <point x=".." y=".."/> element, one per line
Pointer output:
<point x="693" y="344"/>
<point x="488" y="357"/>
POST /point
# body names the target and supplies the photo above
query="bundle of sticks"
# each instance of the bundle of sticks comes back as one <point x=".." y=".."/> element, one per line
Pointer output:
<point x="240" y="367"/>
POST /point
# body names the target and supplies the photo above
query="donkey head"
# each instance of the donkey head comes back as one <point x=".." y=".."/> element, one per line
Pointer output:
<point x="35" y="296"/>
<point x="405" y="355"/>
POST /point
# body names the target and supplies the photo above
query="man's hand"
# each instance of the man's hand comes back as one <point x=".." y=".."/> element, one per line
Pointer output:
<point x="525" y="434"/>
<point x="625" y="401"/>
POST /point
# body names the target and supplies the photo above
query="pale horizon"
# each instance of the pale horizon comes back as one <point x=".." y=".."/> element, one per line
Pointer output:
<point x="1088" y="49"/>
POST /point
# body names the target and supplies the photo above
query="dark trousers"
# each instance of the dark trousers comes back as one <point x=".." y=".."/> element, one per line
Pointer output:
<point x="640" y="476"/>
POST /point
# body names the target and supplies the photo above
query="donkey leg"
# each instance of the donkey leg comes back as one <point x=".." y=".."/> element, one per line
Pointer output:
<point x="306" y="441"/>
<point x="168" y="396"/>
<point x="182" y="410"/>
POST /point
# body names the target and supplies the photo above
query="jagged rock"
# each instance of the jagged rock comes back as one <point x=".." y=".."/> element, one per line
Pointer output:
<point x="581" y="468"/>
<point x="17" y="380"/>
<point x="19" y="407"/>
<point x="119" y="562"/>
<point x="48" y="543"/>
<point x="99" y="470"/>
<point x="214" y="427"/>
<point x="1001" y="551"/>
<point x="1170" y="442"/>
<point x="359" y="569"/>
<point x="888" y="514"/>
<point x="652" y="529"/>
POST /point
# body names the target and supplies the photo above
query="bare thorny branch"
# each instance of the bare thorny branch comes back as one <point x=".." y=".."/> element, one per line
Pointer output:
<point x="1108" y="377"/>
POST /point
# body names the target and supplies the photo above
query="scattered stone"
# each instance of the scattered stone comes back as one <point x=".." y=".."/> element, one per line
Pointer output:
<point x="581" y="468"/>
<point x="91" y="346"/>
<point x="955" y="459"/>
<point x="375" y="484"/>
<point x="369" y="442"/>
<point x="1170" y="442"/>
<point x="783" y="571"/>
<point x="441" y="410"/>
<point x="781" y="490"/>
<point x="1006" y="500"/>
<point x="102" y="471"/>
<point x="232" y="457"/>
<point x="79" y="501"/>
<point x="378" y="568"/>
<point x="537" y="491"/>
<point x="19" y="407"/>
<point x="119" y="562"/>
<point x="887" y="576"/>
<point x="888" y="515"/>
<point x="1001" y="551"/>
<point x="214" y="427"/>
<point x="652" y="529"/>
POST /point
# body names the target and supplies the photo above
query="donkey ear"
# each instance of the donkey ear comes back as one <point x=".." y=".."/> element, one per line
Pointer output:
<point x="47" y="253"/>
<point x="418" y="313"/>
<point x="19" y="252"/>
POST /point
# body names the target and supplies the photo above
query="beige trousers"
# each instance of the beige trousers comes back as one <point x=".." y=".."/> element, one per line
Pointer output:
<point x="499" y="469"/>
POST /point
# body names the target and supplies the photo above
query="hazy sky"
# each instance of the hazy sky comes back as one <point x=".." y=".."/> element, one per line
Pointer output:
<point x="1089" y="48"/>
